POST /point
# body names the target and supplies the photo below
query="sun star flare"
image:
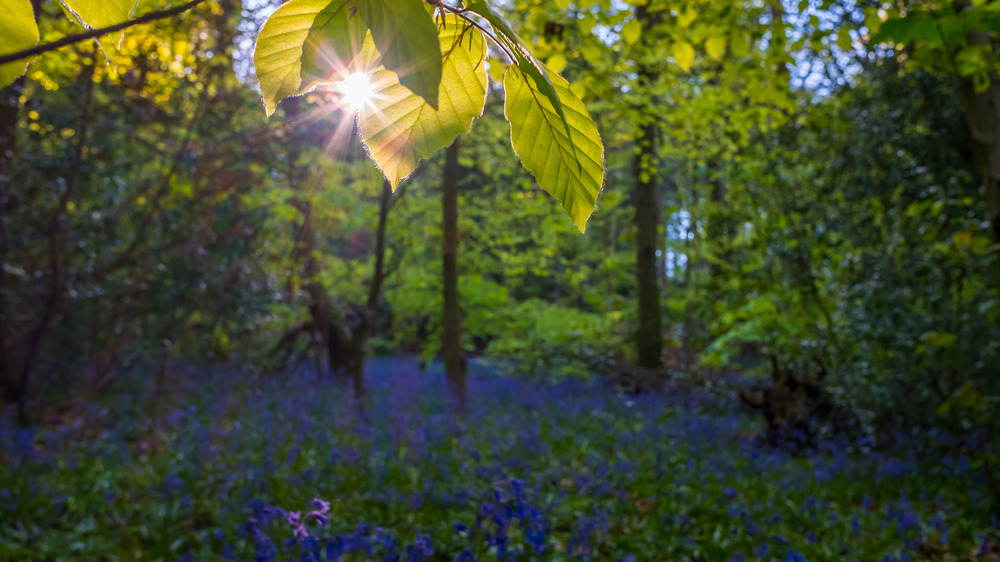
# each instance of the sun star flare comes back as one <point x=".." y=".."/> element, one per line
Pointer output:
<point x="356" y="90"/>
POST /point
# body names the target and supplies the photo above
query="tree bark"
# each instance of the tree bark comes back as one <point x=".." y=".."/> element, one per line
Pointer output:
<point x="451" y="315"/>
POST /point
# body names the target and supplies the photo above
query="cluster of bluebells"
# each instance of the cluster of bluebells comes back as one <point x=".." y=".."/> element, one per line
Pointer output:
<point x="491" y="532"/>
<point x="531" y="472"/>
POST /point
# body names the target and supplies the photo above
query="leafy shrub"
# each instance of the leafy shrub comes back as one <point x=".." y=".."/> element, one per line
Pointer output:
<point x="554" y="341"/>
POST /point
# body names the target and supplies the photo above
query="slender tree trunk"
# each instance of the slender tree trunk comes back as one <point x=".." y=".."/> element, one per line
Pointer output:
<point x="451" y="316"/>
<point x="647" y="219"/>
<point x="369" y="323"/>
<point x="319" y="305"/>
<point x="717" y="230"/>
<point x="649" y="339"/>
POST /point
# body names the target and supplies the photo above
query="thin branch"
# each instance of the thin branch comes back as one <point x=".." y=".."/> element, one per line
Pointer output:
<point x="95" y="33"/>
<point x="461" y="12"/>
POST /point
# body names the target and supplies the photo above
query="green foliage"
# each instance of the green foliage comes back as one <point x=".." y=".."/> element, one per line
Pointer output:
<point x="306" y="43"/>
<point x="551" y="341"/>
<point x="949" y="38"/>
<point x="839" y="221"/>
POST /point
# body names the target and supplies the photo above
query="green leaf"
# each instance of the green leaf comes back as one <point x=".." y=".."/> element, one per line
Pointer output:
<point x="683" y="55"/>
<point x="401" y="128"/>
<point x="18" y="31"/>
<point x="404" y="34"/>
<point x="916" y="27"/>
<point x="740" y="44"/>
<point x="715" y="46"/>
<point x="631" y="31"/>
<point x="303" y="43"/>
<point x="523" y="58"/>
<point x="686" y="18"/>
<point x="844" y="40"/>
<point x="567" y="162"/>
<point x="556" y="63"/>
<point x="102" y="13"/>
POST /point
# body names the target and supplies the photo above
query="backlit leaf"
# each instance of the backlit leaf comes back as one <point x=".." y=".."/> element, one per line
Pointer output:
<point x="18" y="31"/>
<point x="400" y="128"/>
<point x="557" y="63"/>
<point x="303" y="43"/>
<point x="567" y="164"/>
<point x="686" y="18"/>
<point x="683" y="54"/>
<point x="715" y="46"/>
<point x="102" y="13"/>
<point x="405" y="35"/>
<point x="631" y="31"/>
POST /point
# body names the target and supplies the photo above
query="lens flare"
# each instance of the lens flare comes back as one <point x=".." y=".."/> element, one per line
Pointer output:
<point x="356" y="90"/>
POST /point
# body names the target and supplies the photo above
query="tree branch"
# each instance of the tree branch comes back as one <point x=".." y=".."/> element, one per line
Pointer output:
<point x="94" y="33"/>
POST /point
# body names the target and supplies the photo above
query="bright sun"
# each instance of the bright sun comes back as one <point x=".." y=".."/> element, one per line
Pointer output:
<point x="357" y="91"/>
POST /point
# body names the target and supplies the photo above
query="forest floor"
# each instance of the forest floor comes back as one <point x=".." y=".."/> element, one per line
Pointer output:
<point x="533" y="471"/>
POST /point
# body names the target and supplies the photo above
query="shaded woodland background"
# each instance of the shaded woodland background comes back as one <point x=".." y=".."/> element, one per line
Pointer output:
<point x="819" y="202"/>
<point x="779" y="335"/>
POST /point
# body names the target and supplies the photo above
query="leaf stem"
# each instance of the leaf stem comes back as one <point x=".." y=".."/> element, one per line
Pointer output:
<point x="461" y="12"/>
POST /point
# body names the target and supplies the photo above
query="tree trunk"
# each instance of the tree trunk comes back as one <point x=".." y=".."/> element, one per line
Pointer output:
<point x="9" y="108"/>
<point x="649" y="339"/>
<point x="369" y="323"/>
<point x="451" y="315"/>
<point x="647" y="220"/>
